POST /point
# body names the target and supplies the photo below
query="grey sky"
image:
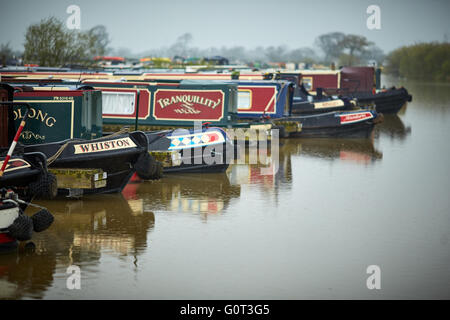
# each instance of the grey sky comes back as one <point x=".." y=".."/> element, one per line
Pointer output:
<point x="141" y="25"/>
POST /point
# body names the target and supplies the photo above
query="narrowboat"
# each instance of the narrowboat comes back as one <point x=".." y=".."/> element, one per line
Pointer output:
<point x="169" y="158"/>
<point x="25" y="172"/>
<point x="274" y="102"/>
<point x="360" y="83"/>
<point x="386" y="101"/>
<point x="18" y="173"/>
<point x="306" y="103"/>
<point x="203" y="150"/>
<point x="118" y="157"/>
<point x="65" y="126"/>
<point x="338" y="124"/>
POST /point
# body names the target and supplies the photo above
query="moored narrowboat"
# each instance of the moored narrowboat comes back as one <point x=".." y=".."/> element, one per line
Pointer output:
<point x="361" y="83"/>
<point x="306" y="103"/>
<point x="119" y="100"/>
<point x="118" y="157"/>
<point x="345" y="124"/>
<point x="66" y="126"/>
<point x="203" y="150"/>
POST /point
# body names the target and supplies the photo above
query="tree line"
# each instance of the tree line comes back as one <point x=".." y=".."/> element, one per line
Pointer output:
<point x="424" y="61"/>
<point x="50" y="43"/>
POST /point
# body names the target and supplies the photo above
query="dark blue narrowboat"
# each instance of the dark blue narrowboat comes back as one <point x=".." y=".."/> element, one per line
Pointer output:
<point x="357" y="123"/>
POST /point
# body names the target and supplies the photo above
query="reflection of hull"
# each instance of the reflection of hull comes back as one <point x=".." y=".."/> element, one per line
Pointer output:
<point x="102" y="222"/>
<point x="118" y="162"/>
<point x="192" y="193"/>
<point x="26" y="275"/>
<point x="356" y="150"/>
<point x="393" y="127"/>
<point x="195" y="155"/>
<point x="337" y="125"/>
<point x="390" y="101"/>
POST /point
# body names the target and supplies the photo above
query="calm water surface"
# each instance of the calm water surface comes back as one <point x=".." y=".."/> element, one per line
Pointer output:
<point x="308" y="231"/>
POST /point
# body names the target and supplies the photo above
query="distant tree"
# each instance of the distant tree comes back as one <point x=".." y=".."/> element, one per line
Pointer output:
<point x="356" y="46"/>
<point x="97" y="41"/>
<point x="181" y="45"/>
<point x="331" y="45"/>
<point x="6" y="53"/>
<point x="50" y="43"/>
<point x="373" y="53"/>
<point x="276" y="54"/>
<point x="306" y="55"/>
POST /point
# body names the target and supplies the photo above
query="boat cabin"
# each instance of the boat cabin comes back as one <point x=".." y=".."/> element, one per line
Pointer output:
<point x="59" y="113"/>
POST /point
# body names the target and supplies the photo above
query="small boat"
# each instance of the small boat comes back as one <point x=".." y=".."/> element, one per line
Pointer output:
<point x="386" y="101"/>
<point x="345" y="124"/>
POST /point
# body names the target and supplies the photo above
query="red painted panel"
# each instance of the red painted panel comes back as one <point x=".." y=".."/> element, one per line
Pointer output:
<point x="188" y="105"/>
<point x="263" y="99"/>
<point x="355" y="117"/>
<point x="323" y="81"/>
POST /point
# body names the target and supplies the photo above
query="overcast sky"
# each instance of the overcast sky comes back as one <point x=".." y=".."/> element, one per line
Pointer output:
<point x="140" y="25"/>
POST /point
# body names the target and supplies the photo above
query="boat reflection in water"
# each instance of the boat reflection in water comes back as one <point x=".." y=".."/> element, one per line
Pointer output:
<point x="82" y="232"/>
<point x="269" y="173"/>
<point x="392" y="127"/>
<point x="361" y="151"/>
<point x="187" y="193"/>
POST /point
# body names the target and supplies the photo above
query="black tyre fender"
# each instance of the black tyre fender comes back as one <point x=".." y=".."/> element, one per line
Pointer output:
<point x="145" y="166"/>
<point x="45" y="187"/>
<point x="42" y="220"/>
<point x="22" y="228"/>
<point x="159" y="170"/>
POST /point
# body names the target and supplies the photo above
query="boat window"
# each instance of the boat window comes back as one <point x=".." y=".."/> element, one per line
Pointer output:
<point x="118" y="102"/>
<point x="244" y="99"/>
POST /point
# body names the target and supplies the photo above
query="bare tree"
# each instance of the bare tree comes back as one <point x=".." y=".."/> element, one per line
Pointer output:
<point x="49" y="43"/>
<point x="331" y="45"/>
<point x="356" y="46"/>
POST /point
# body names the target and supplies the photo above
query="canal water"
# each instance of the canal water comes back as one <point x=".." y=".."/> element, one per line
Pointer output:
<point x="310" y="230"/>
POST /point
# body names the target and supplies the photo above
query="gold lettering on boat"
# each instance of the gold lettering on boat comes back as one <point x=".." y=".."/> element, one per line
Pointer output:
<point x="38" y="115"/>
<point x="108" y="145"/>
<point x="188" y="99"/>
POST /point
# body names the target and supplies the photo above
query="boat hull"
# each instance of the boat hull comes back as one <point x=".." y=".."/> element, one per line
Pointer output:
<point x="338" y="125"/>
<point x="117" y="158"/>
<point x="390" y="101"/>
<point x="196" y="151"/>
